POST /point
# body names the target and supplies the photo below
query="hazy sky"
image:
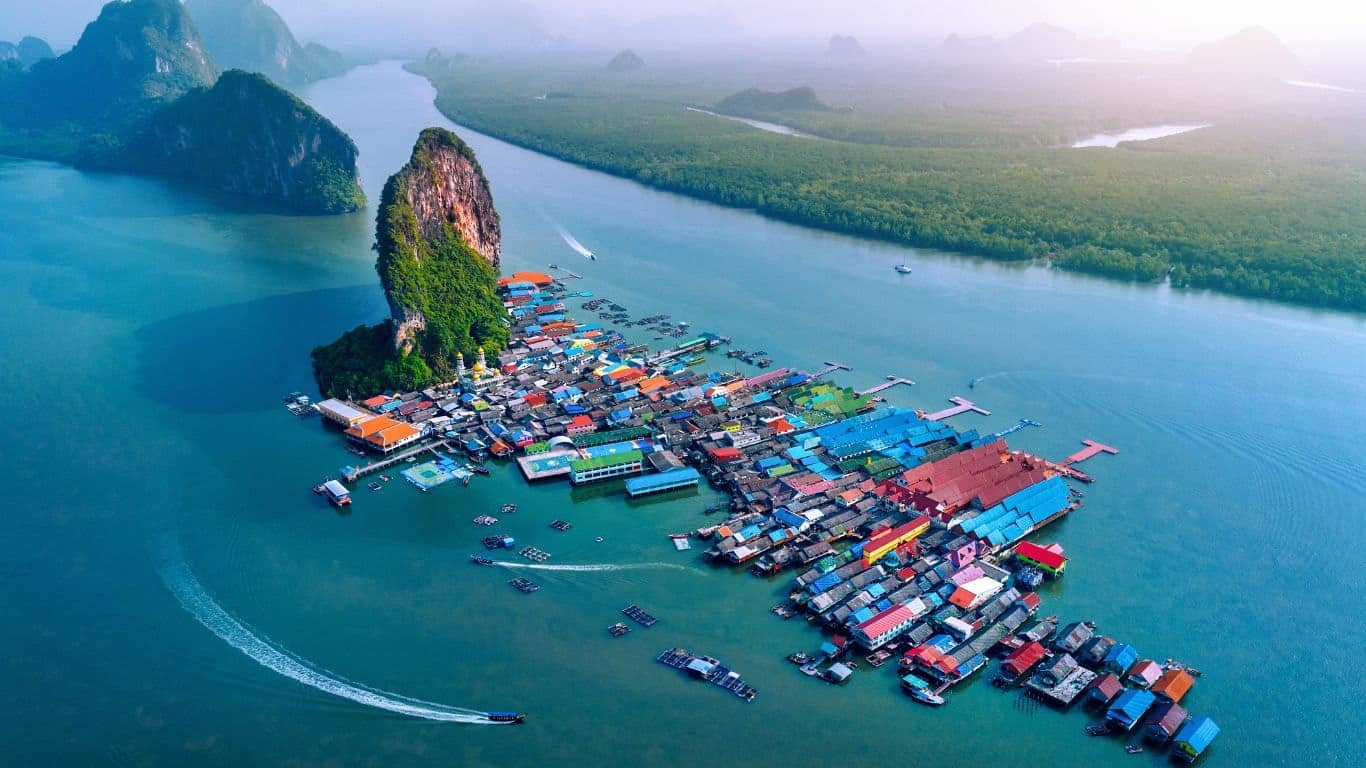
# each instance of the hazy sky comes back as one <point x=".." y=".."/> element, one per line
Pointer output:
<point x="611" y="23"/>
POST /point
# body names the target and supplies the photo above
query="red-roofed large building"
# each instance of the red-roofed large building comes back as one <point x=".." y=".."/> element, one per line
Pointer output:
<point x="884" y="627"/>
<point x="1050" y="558"/>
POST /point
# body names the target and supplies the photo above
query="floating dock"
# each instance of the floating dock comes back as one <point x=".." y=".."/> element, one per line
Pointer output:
<point x="355" y="473"/>
<point x="708" y="669"/>
<point x="639" y="616"/>
<point x="1092" y="448"/>
<point x="961" y="405"/>
<point x="892" y="381"/>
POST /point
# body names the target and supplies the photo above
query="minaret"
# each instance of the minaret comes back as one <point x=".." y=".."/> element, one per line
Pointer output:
<point x="483" y="364"/>
<point x="460" y="366"/>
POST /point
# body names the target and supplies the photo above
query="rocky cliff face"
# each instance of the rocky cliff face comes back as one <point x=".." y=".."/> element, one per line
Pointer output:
<point x="439" y="243"/>
<point x="248" y="137"/>
<point x="436" y="222"/>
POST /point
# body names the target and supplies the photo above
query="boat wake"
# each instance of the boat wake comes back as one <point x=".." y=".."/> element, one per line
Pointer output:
<point x="596" y="567"/>
<point x="185" y="586"/>
<point x="573" y="242"/>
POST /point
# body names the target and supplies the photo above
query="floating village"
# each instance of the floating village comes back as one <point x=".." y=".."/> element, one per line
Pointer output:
<point x="909" y="544"/>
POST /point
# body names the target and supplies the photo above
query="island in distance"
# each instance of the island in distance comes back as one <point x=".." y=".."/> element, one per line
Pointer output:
<point x="139" y="92"/>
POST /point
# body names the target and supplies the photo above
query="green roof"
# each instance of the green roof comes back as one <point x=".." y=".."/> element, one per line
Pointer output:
<point x="611" y="436"/>
<point x="611" y="460"/>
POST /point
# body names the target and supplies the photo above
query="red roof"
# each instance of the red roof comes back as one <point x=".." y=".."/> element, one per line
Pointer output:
<point x="1021" y="659"/>
<point x="1040" y="555"/>
<point x="725" y="454"/>
<point x="581" y="421"/>
<point x="886" y="620"/>
<point x="1031" y="600"/>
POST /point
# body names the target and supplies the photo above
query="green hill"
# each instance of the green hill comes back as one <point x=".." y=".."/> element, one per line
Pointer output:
<point x="753" y="100"/>
<point x="439" y="242"/>
<point x="137" y="93"/>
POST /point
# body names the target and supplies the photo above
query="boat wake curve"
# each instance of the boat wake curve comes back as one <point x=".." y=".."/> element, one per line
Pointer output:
<point x="190" y="593"/>
<point x="594" y="567"/>
<point x="573" y="242"/>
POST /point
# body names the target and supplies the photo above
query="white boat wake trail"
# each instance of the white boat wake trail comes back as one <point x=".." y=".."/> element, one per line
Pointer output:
<point x="182" y="583"/>
<point x="573" y="242"/>
<point x="594" y="567"/>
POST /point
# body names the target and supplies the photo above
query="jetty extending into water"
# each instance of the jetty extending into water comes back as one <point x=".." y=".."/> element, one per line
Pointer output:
<point x="960" y="405"/>
<point x="892" y="381"/>
<point x="352" y="474"/>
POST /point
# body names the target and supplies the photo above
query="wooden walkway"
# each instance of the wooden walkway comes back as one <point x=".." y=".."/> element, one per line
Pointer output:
<point x="398" y="458"/>
<point x="1092" y="448"/>
<point x="960" y="405"/>
<point x="830" y="367"/>
<point x="892" y="381"/>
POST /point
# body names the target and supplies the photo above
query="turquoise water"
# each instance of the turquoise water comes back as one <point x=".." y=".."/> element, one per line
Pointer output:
<point x="149" y="333"/>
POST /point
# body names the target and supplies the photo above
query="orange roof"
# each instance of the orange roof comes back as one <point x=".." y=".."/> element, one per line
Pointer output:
<point x="581" y="421"/>
<point x="371" y="426"/>
<point x="1173" y="684"/>
<point x="653" y="383"/>
<point x="395" y="434"/>
<point x="375" y="401"/>
<point x="539" y="278"/>
<point x="962" y="597"/>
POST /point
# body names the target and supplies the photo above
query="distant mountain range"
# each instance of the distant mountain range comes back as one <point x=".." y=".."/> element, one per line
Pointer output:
<point x="250" y="35"/>
<point x="626" y="61"/>
<point x="1250" y="51"/>
<point x="844" y="47"/>
<point x="139" y="92"/>
<point x="1038" y="41"/>
<point x="28" y="52"/>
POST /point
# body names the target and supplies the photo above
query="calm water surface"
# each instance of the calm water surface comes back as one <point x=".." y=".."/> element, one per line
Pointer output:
<point x="1112" y="140"/>
<point x="149" y="332"/>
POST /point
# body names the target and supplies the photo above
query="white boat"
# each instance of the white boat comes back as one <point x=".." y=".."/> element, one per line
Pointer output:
<point x="904" y="269"/>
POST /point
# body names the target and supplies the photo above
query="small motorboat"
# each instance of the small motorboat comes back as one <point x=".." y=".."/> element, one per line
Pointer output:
<point x="903" y="268"/>
<point x="1133" y="749"/>
<point x="926" y="697"/>
<point x="618" y="629"/>
<point x="506" y="717"/>
<point x="481" y="560"/>
<point x="375" y="486"/>
<point x="554" y="266"/>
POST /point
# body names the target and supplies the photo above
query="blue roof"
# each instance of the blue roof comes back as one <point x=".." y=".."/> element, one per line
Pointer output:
<point x="647" y="483"/>
<point x="1198" y="732"/>
<point x="1129" y="706"/>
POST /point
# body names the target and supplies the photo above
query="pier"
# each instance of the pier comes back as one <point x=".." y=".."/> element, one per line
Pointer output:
<point x="960" y="405"/>
<point x="1092" y="448"/>
<point x="357" y="473"/>
<point x="892" y="381"/>
<point x="830" y="367"/>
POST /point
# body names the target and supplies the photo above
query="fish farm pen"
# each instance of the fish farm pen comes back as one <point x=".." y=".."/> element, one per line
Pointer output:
<point x="904" y="538"/>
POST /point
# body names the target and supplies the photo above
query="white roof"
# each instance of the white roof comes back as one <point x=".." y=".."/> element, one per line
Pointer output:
<point x="983" y="585"/>
<point x="341" y="409"/>
<point x="336" y="489"/>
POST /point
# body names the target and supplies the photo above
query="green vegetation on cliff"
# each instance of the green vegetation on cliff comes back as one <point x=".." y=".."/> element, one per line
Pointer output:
<point x="137" y="93"/>
<point x="1260" y="209"/>
<point x="442" y="292"/>
<point x="297" y="158"/>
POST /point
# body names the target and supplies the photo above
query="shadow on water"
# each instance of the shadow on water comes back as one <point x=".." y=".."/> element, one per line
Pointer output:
<point x="241" y="357"/>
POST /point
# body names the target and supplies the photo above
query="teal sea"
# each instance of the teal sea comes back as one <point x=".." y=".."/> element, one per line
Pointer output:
<point x="149" y="332"/>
